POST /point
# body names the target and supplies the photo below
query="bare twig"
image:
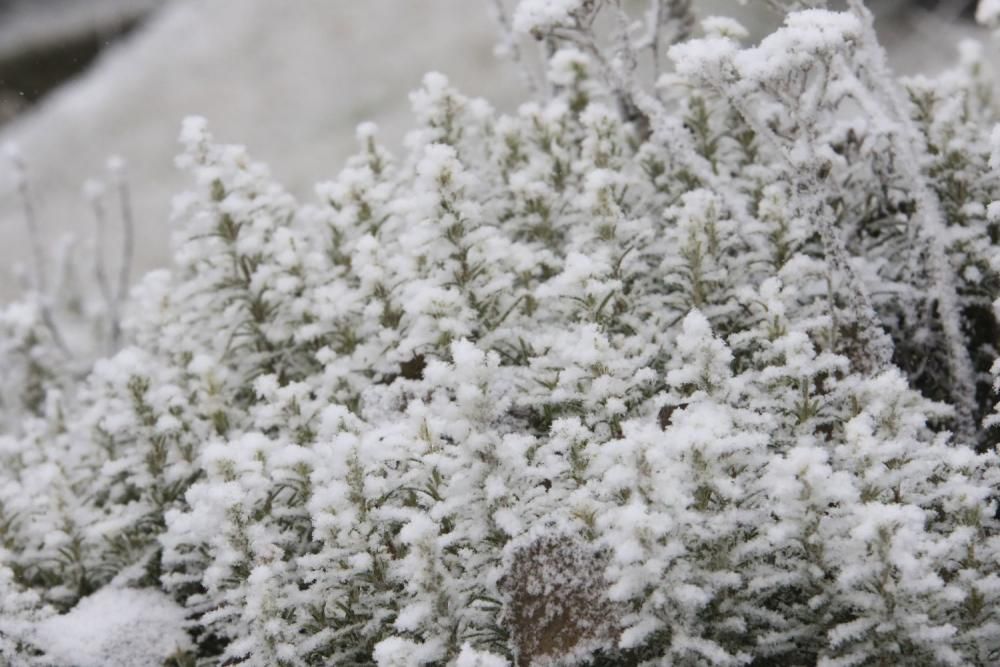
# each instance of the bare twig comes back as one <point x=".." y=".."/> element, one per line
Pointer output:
<point x="785" y="6"/>
<point x="94" y="192"/>
<point x="879" y="354"/>
<point x="512" y="47"/>
<point x="675" y="15"/>
<point x="38" y="255"/>
<point x="930" y="218"/>
<point x="656" y="19"/>
<point x="117" y="168"/>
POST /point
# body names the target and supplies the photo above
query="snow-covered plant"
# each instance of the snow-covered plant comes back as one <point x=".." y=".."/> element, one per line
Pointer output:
<point x="691" y="371"/>
<point x="70" y="310"/>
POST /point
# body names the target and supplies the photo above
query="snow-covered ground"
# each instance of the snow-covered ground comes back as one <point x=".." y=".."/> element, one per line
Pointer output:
<point x="115" y="628"/>
<point x="288" y="80"/>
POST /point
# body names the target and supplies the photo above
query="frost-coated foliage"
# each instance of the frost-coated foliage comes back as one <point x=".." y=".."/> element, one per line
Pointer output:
<point x="693" y="373"/>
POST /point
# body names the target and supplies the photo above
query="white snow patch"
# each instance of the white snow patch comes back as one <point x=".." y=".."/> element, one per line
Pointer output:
<point x="540" y="15"/>
<point x="988" y="12"/>
<point x="469" y="657"/>
<point x="123" y="627"/>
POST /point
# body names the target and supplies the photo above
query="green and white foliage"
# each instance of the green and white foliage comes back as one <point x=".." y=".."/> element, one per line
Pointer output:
<point x="692" y="371"/>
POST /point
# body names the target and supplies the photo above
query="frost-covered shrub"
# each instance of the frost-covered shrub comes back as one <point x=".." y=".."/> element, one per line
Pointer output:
<point x="693" y="373"/>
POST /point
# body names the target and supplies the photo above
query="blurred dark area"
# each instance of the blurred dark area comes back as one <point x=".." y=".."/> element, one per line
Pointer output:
<point x="965" y="9"/>
<point x="46" y="42"/>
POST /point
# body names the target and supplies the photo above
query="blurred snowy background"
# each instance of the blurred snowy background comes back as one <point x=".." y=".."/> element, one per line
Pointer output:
<point x="84" y="79"/>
